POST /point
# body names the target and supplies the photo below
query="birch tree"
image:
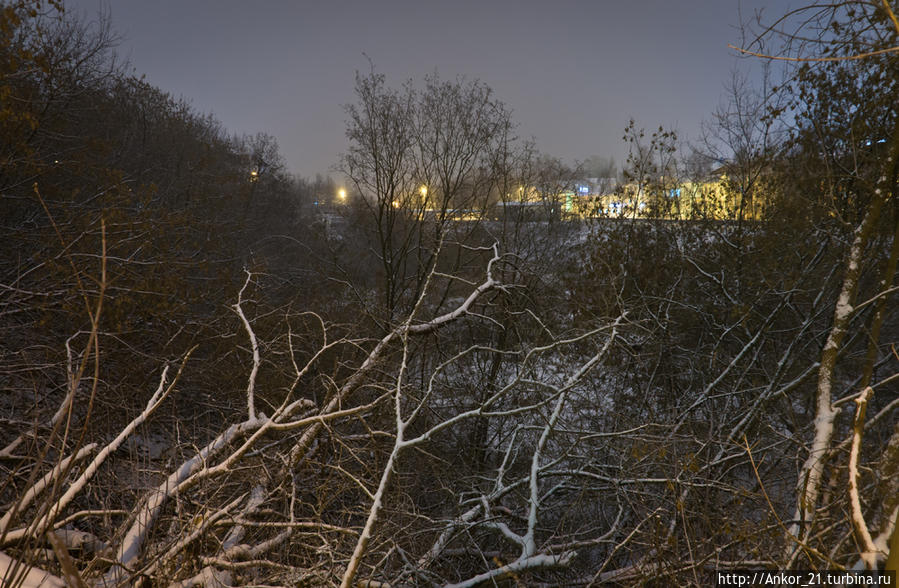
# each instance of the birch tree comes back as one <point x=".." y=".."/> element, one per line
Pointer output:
<point x="846" y="122"/>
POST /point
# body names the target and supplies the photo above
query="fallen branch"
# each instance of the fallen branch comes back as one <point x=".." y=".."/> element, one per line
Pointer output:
<point x="520" y="565"/>
<point x="28" y="577"/>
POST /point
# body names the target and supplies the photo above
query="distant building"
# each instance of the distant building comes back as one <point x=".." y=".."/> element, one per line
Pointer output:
<point x="719" y="197"/>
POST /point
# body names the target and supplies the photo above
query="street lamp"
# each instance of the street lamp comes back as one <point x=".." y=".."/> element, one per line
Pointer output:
<point x="342" y="195"/>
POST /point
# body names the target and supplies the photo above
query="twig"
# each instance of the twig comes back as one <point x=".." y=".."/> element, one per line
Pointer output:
<point x="854" y="57"/>
<point x="809" y="550"/>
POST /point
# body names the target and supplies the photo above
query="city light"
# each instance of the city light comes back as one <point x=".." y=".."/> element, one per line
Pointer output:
<point x="341" y="194"/>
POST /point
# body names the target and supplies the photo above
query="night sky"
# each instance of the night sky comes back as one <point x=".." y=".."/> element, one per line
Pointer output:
<point x="573" y="72"/>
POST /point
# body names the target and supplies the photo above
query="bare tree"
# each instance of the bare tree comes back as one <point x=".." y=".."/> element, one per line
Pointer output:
<point x="846" y="51"/>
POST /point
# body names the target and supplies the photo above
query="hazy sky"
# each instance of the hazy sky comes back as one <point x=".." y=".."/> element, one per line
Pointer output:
<point x="573" y="72"/>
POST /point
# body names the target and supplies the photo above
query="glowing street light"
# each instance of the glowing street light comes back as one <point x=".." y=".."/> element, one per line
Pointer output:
<point x="423" y="191"/>
<point x="341" y="194"/>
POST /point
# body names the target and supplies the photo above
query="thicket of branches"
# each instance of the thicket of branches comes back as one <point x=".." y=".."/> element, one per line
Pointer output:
<point x="214" y="374"/>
